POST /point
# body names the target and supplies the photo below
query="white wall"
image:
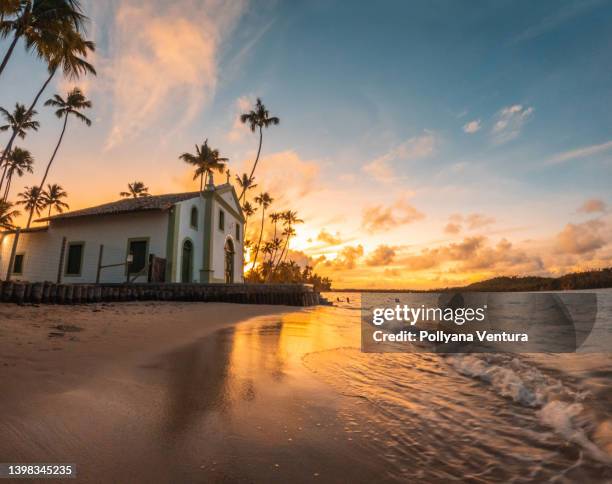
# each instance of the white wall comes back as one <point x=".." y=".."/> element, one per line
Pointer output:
<point x="42" y="249"/>
<point x="219" y="237"/>
<point x="195" y="235"/>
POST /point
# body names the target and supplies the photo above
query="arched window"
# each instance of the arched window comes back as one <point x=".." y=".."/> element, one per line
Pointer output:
<point x="193" y="219"/>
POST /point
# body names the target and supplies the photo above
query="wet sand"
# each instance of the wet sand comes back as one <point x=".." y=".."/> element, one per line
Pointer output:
<point x="195" y="392"/>
<point x="168" y="392"/>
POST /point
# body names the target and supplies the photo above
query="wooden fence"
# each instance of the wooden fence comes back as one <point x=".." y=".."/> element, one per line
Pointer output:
<point x="52" y="293"/>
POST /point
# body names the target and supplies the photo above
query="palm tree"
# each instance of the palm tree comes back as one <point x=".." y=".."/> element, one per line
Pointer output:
<point x="248" y="211"/>
<point x="19" y="122"/>
<point x="244" y="182"/>
<point x="275" y="217"/>
<point x="136" y="189"/>
<point x="75" y="101"/>
<point x="19" y="162"/>
<point x="289" y="220"/>
<point x="40" y="22"/>
<point x="64" y="54"/>
<point x="7" y="215"/>
<point x="52" y="198"/>
<point x="257" y="118"/>
<point x="264" y="200"/>
<point x="205" y="160"/>
<point x="31" y="200"/>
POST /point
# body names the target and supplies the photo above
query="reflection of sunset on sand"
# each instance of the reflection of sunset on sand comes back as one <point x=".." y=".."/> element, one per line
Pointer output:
<point x="176" y="391"/>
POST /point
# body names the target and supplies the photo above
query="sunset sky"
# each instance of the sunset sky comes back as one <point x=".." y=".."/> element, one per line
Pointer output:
<point x="425" y="144"/>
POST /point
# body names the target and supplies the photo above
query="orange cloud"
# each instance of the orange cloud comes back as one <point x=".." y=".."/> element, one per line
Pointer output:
<point x="381" y="256"/>
<point x="380" y="218"/>
<point x="452" y="228"/>
<point x="592" y="205"/>
<point x="346" y="259"/>
<point x="580" y="238"/>
<point x="328" y="238"/>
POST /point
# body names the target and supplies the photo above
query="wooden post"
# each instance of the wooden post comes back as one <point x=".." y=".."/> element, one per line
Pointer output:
<point x="99" y="263"/>
<point x="9" y="270"/>
<point x="61" y="261"/>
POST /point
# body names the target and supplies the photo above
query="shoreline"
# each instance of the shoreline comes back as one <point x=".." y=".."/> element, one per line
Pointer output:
<point x="45" y="350"/>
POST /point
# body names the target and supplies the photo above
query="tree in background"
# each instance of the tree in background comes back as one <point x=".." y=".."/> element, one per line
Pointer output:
<point x="263" y="200"/>
<point x="20" y="121"/>
<point x="135" y="190"/>
<point x="75" y="102"/>
<point x="7" y="215"/>
<point x="257" y="119"/>
<point x="205" y="161"/>
<point x="244" y="183"/>
<point x="18" y="163"/>
<point x="31" y="200"/>
<point x="53" y="198"/>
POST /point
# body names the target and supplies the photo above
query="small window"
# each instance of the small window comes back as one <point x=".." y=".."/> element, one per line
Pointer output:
<point x="221" y="220"/>
<point x="138" y="249"/>
<point x="74" y="261"/>
<point x="193" y="221"/>
<point x="237" y="232"/>
<point x="18" y="264"/>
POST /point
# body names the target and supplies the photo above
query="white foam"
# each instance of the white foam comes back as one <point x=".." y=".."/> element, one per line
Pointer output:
<point x="559" y="407"/>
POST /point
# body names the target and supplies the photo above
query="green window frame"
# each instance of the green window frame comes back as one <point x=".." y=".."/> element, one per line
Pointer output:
<point x="75" y="251"/>
<point x="145" y="259"/>
<point x="221" y="220"/>
<point x="193" y="218"/>
<point x="18" y="264"/>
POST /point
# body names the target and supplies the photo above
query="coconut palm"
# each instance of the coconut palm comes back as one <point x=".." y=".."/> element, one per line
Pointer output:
<point x="75" y="102"/>
<point x="135" y="190"/>
<point x="244" y="183"/>
<point x="264" y="200"/>
<point x="52" y="198"/>
<point x="248" y="210"/>
<point x="289" y="220"/>
<point x="205" y="160"/>
<point x="19" y="122"/>
<point x="66" y="52"/>
<point x="31" y="200"/>
<point x="39" y="22"/>
<point x="257" y="118"/>
<point x="7" y="215"/>
<point x="274" y="218"/>
<point x="18" y="163"/>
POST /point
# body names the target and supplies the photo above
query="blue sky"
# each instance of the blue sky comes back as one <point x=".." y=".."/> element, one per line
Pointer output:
<point x="397" y="119"/>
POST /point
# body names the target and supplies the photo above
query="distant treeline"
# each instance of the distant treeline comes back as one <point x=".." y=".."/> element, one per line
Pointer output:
<point x="576" y="280"/>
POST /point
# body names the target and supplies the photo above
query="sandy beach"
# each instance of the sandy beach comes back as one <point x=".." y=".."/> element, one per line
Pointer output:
<point x="197" y="392"/>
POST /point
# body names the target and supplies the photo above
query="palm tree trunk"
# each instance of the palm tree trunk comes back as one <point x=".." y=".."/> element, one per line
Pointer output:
<point x="42" y="183"/>
<point x="263" y="214"/>
<point x="254" y="164"/>
<point x="280" y="259"/>
<point x="8" y="187"/>
<point x="201" y="181"/>
<point x="9" y="52"/>
<point x="9" y="145"/>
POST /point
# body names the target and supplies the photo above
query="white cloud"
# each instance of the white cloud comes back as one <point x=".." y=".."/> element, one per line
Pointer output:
<point x="472" y="127"/>
<point x="162" y="62"/>
<point x="379" y="169"/>
<point x="510" y="121"/>
<point x="583" y="152"/>
<point x="413" y="148"/>
<point x="240" y="130"/>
